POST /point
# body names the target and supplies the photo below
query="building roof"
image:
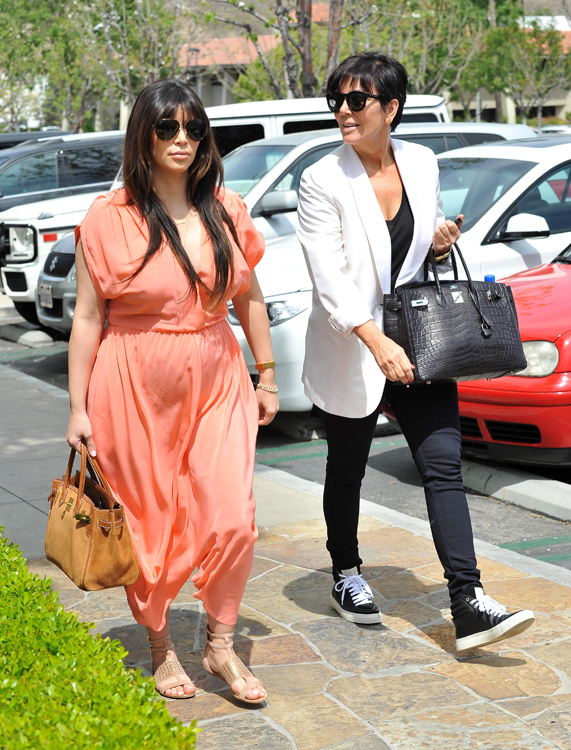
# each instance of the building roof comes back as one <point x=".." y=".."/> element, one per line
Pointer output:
<point x="237" y="51"/>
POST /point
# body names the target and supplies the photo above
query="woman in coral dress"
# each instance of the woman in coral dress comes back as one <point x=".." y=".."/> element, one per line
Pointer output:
<point x="161" y="394"/>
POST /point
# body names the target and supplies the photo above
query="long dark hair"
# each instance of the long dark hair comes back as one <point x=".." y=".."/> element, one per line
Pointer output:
<point x="161" y="100"/>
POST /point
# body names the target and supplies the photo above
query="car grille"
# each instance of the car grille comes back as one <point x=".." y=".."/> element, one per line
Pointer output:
<point x="16" y="281"/>
<point x="469" y="427"/>
<point x="59" y="264"/>
<point x="54" y="312"/>
<point x="473" y="445"/>
<point x="514" y="432"/>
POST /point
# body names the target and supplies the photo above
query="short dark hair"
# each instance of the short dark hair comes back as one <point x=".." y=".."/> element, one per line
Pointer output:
<point x="378" y="74"/>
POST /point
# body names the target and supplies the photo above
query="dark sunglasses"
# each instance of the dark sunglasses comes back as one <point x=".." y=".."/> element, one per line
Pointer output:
<point x="356" y="100"/>
<point x="166" y="130"/>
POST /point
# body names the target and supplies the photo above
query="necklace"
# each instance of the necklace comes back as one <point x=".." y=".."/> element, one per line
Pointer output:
<point x="178" y="222"/>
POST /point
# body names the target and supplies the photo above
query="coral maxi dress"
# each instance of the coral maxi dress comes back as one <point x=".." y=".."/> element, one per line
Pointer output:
<point x="173" y="411"/>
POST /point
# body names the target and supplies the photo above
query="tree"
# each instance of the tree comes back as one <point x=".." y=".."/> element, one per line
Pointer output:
<point x="532" y="63"/>
<point x="134" y="42"/>
<point x="293" y="23"/>
<point x="21" y="38"/>
<point x="435" y="39"/>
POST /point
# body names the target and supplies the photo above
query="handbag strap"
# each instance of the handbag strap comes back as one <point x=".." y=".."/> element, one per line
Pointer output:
<point x="95" y="471"/>
<point x="473" y="292"/>
<point x="452" y="258"/>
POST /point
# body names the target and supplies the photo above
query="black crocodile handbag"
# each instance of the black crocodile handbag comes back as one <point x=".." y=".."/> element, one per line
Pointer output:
<point x="455" y="329"/>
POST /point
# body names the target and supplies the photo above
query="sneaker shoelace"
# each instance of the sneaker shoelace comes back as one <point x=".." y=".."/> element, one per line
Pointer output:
<point x="486" y="604"/>
<point x="359" y="590"/>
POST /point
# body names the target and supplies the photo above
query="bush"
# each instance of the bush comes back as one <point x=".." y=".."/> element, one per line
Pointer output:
<point x="60" y="687"/>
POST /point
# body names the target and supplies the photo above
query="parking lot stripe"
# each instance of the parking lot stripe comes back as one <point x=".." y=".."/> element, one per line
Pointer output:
<point x="531" y="543"/>
<point x="39" y="352"/>
<point x="281" y="459"/>
<point x="294" y="446"/>
<point x="553" y="558"/>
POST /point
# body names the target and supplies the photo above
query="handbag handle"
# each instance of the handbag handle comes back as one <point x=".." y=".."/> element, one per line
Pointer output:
<point x="86" y="460"/>
<point x="486" y="325"/>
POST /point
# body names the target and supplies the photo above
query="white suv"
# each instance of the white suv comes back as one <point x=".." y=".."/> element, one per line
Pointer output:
<point x="27" y="235"/>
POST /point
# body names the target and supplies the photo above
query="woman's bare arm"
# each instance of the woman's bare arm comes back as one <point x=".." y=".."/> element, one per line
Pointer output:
<point x="88" y="321"/>
<point x="251" y="311"/>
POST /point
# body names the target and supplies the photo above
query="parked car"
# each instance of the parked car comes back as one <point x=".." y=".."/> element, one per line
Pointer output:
<point x="526" y="418"/>
<point x="27" y="234"/>
<point x="557" y="129"/>
<point x="9" y="140"/>
<point x="57" y="286"/>
<point x="516" y="197"/>
<point x="267" y="174"/>
<point x="516" y="201"/>
<point x="53" y="167"/>
<point x="237" y="124"/>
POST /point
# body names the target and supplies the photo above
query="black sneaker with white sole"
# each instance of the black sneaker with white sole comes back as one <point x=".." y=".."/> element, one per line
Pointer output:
<point x="353" y="599"/>
<point x="480" y="620"/>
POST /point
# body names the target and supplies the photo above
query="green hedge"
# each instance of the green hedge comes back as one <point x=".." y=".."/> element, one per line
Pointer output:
<point x="62" y="688"/>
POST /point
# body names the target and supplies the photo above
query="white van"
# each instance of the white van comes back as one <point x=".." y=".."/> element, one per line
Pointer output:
<point x="237" y="124"/>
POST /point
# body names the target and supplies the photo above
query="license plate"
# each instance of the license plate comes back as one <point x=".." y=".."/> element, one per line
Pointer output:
<point x="46" y="297"/>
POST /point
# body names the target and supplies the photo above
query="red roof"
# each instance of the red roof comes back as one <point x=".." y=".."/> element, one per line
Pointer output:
<point x="237" y="50"/>
<point x="234" y="50"/>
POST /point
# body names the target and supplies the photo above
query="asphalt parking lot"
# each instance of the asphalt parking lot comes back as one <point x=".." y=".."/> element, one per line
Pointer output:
<point x="391" y="479"/>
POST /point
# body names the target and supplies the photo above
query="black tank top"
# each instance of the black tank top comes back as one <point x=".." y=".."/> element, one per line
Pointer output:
<point x="400" y="228"/>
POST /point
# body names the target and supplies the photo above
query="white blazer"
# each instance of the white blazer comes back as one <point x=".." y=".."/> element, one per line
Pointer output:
<point x="348" y="252"/>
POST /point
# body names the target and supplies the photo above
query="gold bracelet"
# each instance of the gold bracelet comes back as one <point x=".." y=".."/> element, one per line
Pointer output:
<point x="440" y="258"/>
<point x="268" y="388"/>
<point x="264" y="365"/>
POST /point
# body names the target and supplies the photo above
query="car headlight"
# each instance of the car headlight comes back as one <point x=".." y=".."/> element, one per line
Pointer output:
<point x="279" y="310"/>
<point x="21" y="244"/>
<point x="542" y="359"/>
<point x="72" y="276"/>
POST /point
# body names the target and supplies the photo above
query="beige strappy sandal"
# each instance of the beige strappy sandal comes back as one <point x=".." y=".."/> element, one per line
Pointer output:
<point x="233" y="669"/>
<point x="170" y="674"/>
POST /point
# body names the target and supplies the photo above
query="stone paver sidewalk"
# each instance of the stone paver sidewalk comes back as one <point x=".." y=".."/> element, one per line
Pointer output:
<point x="333" y="684"/>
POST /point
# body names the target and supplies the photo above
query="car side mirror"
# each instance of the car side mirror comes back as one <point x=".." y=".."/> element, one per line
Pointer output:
<point x="525" y="226"/>
<point x="278" y="202"/>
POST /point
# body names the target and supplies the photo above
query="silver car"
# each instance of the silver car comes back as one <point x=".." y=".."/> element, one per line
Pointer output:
<point x="57" y="290"/>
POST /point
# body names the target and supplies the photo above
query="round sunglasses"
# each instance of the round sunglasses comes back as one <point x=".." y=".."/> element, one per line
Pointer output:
<point x="166" y="130"/>
<point x="356" y="100"/>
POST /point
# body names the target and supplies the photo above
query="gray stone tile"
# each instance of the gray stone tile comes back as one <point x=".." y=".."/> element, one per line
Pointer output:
<point x="238" y="732"/>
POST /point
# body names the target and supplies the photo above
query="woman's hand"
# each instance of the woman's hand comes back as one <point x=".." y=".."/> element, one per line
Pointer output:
<point x="268" y="406"/>
<point x="79" y="431"/>
<point x="390" y="357"/>
<point x="446" y="235"/>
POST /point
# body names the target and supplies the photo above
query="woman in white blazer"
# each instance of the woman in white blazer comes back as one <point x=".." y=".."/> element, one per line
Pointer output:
<point x="367" y="215"/>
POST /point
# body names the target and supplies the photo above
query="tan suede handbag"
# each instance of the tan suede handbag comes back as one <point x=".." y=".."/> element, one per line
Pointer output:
<point x="87" y="534"/>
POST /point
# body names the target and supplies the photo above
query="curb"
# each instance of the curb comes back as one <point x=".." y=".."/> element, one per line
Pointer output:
<point x="419" y="527"/>
<point x="547" y="496"/>
<point x="26" y="334"/>
<point x="39" y="385"/>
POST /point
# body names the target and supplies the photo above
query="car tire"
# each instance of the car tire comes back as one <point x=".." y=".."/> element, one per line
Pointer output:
<point x="28" y="311"/>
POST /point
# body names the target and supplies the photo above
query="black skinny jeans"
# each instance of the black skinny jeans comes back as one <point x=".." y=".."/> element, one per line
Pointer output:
<point x="428" y="416"/>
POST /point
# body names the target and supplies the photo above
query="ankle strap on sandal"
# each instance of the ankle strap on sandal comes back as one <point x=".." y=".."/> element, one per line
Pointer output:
<point x="161" y="644"/>
<point x="226" y="638"/>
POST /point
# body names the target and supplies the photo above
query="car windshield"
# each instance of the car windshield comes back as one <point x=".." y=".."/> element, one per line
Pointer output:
<point x="471" y="186"/>
<point x="246" y="166"/>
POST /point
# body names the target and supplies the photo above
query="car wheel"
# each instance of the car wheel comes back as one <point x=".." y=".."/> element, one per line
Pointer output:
<point x="28" y="311"/>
